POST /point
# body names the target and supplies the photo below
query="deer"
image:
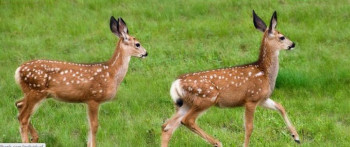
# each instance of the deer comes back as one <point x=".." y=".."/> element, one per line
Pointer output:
<point x="91" y="84"/>
<point x="247" y="86"/>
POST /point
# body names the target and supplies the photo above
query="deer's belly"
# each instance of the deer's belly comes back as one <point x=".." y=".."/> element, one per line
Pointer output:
<point x="69" y="95"/>
<point x="227" y="100"/>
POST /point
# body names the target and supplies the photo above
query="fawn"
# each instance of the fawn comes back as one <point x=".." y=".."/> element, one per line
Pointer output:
<point x="247" y="85"/>
<point x="92" y="84"/>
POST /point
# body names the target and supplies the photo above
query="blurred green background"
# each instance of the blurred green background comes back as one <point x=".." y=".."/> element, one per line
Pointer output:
<point x="182" y="36"/>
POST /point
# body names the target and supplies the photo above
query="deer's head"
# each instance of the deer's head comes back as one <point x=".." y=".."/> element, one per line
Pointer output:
<point x="129" y="44"/>
<point x="273" y="38"/>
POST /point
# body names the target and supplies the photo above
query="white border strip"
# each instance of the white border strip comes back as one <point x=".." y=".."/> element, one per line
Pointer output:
<point x="22" y="145"/>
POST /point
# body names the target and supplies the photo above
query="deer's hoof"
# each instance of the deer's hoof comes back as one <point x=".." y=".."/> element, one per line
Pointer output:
<point x="218" y="144"/>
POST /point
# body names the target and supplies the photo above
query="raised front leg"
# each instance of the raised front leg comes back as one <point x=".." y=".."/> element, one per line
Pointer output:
<point x="270" y="104"/>
<point x="93" y="122"/>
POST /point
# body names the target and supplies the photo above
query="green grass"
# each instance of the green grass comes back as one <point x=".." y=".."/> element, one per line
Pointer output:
<point x="182" y="36"/>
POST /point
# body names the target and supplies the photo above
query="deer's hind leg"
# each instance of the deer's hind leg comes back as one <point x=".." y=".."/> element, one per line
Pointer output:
<point x="32" y="131"/>
<point x="169" y="127"/>
<point x="26" y="107"/>
<point x="199" y="106"/>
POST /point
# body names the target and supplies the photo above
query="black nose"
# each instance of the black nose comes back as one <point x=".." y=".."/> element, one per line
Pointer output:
<point x="293" y="45"/>
<point x="144" y="55"/>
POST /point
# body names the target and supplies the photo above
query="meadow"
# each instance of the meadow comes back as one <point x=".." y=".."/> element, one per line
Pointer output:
<point x="181" y="36"/>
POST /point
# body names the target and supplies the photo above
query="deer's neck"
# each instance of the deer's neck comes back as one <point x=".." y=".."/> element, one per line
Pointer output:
<point x="268" y="62"/>
<point x="119" y="63"/>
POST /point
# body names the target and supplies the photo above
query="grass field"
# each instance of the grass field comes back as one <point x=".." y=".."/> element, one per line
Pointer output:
<point x="182" y="36"/>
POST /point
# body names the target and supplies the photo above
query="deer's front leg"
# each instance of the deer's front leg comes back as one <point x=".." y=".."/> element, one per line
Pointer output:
<point x="270" y="104"/>
<point x="93" y="122"/>
<point x="249" y="117"/>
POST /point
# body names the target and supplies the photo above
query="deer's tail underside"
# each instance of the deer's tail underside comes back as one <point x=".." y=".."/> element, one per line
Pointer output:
<point x="177" y="92"/>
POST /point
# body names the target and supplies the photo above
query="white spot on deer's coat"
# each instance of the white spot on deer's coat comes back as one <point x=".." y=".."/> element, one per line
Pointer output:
<point x="213" y="98"/>
<point x="64" y="79"/>
<point x="189" y="88"/>
<point x="259" y="74"/>
<point x="250" y="73"/>
<point x="101" y="91"/>
<point x="199" y="90"/>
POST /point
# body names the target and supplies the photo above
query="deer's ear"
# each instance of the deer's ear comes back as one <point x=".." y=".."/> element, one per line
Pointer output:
<point x="122" y="28"/>
<point x="273" y="22"/>
<point x="258" y="23"/>
<point x="113" y="24"/>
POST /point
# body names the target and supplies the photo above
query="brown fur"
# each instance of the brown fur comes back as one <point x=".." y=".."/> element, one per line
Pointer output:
<point x="247" y="85"/>
<point x="72" y="82"/>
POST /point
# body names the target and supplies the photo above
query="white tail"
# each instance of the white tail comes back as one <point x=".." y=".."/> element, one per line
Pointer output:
<point x="176" y="92"/>
<point x="17" y="76"/>
<point x="73" y="82"/>
<point x="246" y="85"/>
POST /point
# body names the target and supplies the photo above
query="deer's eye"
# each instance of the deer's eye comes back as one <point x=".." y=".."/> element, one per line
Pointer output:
<point x="282" y="38"/>
<point x="137" y="45"/>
